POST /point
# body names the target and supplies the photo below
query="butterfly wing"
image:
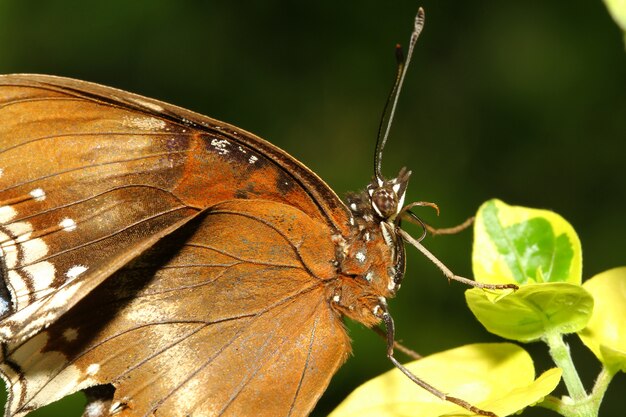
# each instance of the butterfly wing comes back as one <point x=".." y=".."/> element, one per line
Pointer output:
<point x="91" y="176"/>
<point x="227" y="316"/>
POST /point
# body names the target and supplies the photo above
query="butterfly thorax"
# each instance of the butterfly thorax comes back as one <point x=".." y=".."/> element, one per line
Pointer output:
<point x="371" y="262"/>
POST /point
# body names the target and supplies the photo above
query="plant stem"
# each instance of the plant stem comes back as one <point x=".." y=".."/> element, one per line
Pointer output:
<point x="560" y="353"/>
<point x="555" y="404"/>
<point x="600" y="387"/>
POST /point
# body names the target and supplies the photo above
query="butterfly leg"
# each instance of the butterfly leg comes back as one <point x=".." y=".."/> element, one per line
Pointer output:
<point x="99" y="400"/>
<point x="397" y="345"/>
<point x="390" y="328"/>
<point x="449" y="230"/>
<point x="446" y="271"/>
<point x="408" y="215"/>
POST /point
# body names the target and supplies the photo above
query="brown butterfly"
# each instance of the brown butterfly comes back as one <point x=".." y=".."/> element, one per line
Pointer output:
<point x="169" y="264"/>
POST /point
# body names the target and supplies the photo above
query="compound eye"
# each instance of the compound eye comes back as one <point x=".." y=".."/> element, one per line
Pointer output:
<point x="385" y="202"/>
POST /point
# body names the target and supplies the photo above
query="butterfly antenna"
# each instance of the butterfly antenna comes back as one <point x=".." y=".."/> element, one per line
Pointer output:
<point x="392" y="100"/>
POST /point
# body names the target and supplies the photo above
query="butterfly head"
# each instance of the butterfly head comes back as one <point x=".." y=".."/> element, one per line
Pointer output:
<point x="387" y="196"/>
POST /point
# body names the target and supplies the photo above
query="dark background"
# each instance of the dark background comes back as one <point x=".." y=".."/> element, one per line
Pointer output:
<point x="524" y="101"/>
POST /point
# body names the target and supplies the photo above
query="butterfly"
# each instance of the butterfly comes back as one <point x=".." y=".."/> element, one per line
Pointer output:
<point x="169" y="264"/>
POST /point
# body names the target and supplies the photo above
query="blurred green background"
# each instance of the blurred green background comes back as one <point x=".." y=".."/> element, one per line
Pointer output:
<point x="524" y="101"/>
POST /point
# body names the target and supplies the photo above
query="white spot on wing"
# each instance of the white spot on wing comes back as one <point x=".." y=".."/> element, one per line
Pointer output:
<point x="9" y="251"/>
<point x="252" y="159"/>
<point x="93" y="369"/>
<point x="220" y="145"/>
<point x="48" y="374"/>
<point x="68" y="224"/>
<point x="37" y="281"/>
<point x="7" y="213"/>
<point x="18" y="285"/>
<point x="145" y="123"/>
<point x="75" y="271"/>
<point x="70" y="334"/>
<point x="33" y="250"/>
<point x="19" y="229"/>
<point x="41" y="275"/>
<point x="36" y="364"/>
<point x="38" y="194"/>
<point x="94" y="408"/>
<point x="360" y="256"/>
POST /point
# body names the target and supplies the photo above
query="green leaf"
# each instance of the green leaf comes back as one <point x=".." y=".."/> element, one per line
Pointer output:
<point x="533" y="311"/>
<point x="498" y="377"/>
<point x="522" y="245"/>
<point x="605" y="333"/>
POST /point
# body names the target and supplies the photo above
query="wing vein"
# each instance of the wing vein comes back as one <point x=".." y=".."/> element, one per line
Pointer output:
<point x="100" y="194"/>
<point x="306" y="366"/>
<point x="239" y="258"/>
<point x="108" y="236"/>
<point x="67" y="171"/>
<point x="271" y="226"/>
<point x="88" y="134"/>
<point x="260" y="363"/>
